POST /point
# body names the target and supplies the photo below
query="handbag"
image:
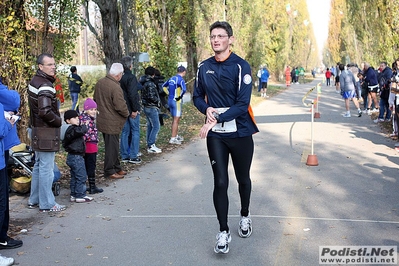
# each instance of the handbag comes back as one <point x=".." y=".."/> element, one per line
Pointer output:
<point x="45" y="139"/>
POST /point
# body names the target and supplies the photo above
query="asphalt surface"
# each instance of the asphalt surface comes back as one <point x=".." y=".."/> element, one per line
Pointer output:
<point x="162" y="213"/>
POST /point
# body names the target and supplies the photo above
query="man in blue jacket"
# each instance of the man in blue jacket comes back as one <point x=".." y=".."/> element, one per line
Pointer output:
<point x="5" y="128"/>
<point x="11" y="101"/>
<point x="264" y="78"/>
<point x="222" y="92"/>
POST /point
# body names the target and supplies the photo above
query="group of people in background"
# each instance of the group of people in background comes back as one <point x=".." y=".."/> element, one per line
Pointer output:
<point x="376" y="88"/>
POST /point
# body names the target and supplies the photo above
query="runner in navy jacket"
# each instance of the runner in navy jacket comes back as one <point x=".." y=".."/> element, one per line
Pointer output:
<point x="223" y="92"/>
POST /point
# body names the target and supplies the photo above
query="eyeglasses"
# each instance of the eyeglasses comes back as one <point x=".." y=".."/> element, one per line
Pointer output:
<point x="49" y="65"/>
<point x="219" y="36"/>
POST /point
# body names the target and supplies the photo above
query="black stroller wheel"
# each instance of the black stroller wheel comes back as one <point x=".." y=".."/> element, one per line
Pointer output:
<point x="56" y="188"/>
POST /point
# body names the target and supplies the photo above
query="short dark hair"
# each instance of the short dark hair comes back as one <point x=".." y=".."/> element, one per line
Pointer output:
<point x="127" y="61"/>
<point x="224" y="25"/>
<point x="40" y="58"/>
<point x="341" y="67"/>
<point x="157" y="72"/>
<point x="73" y="69"/>
<point x="150" y="71"/>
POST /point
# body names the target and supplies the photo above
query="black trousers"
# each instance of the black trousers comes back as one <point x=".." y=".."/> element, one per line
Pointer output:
<point x="241" y="151"/>
<point x="112" y="164"/>
<point x="90" y="163"/>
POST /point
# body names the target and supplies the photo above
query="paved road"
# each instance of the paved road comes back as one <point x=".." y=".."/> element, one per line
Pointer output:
<point x="162" y="213"/>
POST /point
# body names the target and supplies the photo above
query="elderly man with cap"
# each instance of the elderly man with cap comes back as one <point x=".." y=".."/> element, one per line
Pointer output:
<point x="112" y="115"/>
<point x="175" y="87"/>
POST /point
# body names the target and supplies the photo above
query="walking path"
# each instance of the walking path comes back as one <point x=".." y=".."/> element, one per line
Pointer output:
<point x="162" y="213"/>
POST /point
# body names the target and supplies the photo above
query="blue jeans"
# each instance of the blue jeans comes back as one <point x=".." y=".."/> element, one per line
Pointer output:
<point x="132" y="126"/>
<point x="153" y="124"/>
<point x="74" y="98"/>
<point x="384" y="107"/>
<point x="42" y="180"/>
<point x="78" y="175"/>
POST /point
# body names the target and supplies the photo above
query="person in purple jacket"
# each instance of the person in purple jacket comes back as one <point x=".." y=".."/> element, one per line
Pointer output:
<point x="222" y="92"/>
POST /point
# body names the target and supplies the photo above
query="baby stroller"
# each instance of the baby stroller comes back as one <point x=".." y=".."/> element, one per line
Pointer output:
<point x="23" y="158"/>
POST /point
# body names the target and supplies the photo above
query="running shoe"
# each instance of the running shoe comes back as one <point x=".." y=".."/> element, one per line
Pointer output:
<point x="55" y="208"/>
<point x="174" y="141"/>
<point x="222" y="243"/>
<point x="347" y="115"/>
<point x="154" y="149"/>
<point x="245" y="227"/>
<point x="84" y="199"/>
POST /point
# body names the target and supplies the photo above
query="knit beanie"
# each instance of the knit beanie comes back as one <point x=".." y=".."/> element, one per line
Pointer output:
<point x="70" y="114"/>
<point x="89" y="104"/>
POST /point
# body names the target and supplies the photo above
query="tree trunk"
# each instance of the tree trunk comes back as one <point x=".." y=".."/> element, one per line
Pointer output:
<point x="110" y="25"/>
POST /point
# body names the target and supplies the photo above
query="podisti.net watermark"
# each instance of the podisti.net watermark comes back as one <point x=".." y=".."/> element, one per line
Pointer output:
<point x="358" y="255"/>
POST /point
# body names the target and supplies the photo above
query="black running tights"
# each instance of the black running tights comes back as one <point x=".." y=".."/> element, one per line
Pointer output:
<point x="241" y="151"/>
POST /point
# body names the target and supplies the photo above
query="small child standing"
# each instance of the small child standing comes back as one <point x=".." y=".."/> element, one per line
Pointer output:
<point x="74" y="143"/>
<point x="88" y="117"/>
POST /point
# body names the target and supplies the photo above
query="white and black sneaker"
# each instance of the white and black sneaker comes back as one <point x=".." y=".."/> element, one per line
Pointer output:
<point x="245" y="227"/>
<point x="222" y="243"/>
<point x="6" y="261"/>
<point x="154" y="149"/>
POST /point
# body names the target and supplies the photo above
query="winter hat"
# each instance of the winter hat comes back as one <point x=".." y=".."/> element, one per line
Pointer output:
<point x="89" y="104"/>
<point x="181" y="69"/>
<point x="70" y="114"/>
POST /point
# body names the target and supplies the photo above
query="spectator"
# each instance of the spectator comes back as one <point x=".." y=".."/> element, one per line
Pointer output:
<point x="131" y="130"/>
<point x="5" y="127"/>
<point x="58" y="91"/>
<point x="74" y="144"/>
<point x="75" y="83"/>
<point x="328" y="77"/>
<point x="112" y="115"/>
<point x="384" y="80"/>
<point x="287" y="76"/>
<point x="45" y="121"/>
<point x="264" y="78"/>
<point x="10" y="100"/>
<point x="337" y="82"/>
<point x="151" y="103"/>
<point x="371" y="80"/>
<point x="88" y="117"/>
<point x="229" y="126"/>
<point x="259" y="74"/>
<point x="176" y="88"/>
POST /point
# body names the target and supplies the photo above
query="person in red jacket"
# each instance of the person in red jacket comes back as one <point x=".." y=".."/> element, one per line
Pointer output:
<point x="328" y="77"/>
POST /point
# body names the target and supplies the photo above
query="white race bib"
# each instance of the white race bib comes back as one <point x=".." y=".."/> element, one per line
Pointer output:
<point x="225" y="127"/>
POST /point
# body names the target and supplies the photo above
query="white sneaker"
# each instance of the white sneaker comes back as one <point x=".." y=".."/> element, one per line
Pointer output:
<point x="375" y="110"/>
<point x="222" y="243"/>
<point x="245" y="227"/>
<point x="174" y="141"/>
<point x="84" y="199"/>
<point x="347" y="115"/>
<point x="4" y="261"/>
<point x="378" y="120"/>
<point x="154" y="149"/>
<point x="179" y="138"/>
<point x="72" y="199"/>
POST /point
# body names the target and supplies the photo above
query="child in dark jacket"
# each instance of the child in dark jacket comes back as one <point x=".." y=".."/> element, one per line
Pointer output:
<point x="74" y="143"/>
